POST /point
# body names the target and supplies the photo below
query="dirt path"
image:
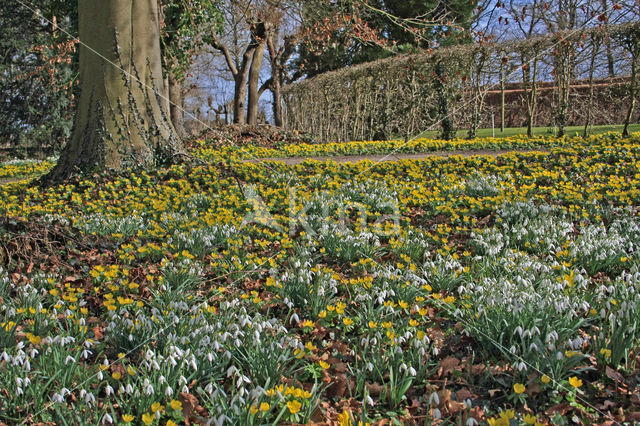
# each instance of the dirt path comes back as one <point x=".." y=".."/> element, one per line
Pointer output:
<point x="11" y="180"/>
<point x="377" y="158"/>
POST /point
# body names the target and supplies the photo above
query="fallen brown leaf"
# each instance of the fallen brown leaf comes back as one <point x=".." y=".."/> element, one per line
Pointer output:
<point x="448" y="366"/>
<point x="613" y="374"/>
<point x="464" y="394"/>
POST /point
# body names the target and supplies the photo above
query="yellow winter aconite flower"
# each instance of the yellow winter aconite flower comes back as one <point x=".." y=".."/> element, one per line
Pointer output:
<point x="294" y="406"/>
<point x="148" y="418"/>
<point x="264" y="406"/>
<point x="128" y="418"/>
<point x="344" y="419"/>
<point x="156" y="406"/>
<point x="545" y="379"/>
<point x="175" y="405"/>
<point x="575" y="382"/>
<point x="116" y="375"/>
<point x="35" y="340"/>
<point x="324" y="365"/>
<point x="529" y="419"/>
<point x="308" y="323"/>
<point x="519" y="388"/>
<point x="347" y="321"/>
<point x="606" y="352"/>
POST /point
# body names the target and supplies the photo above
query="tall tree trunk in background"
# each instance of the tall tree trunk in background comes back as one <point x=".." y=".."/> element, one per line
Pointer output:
<point x="634" y="48"/>
<point x="610" y="61"/>
<point x="563" y="72"/>
<point x="503" y="63"/>
<point x="278" y="58"/>
<point x="595" y="46"/>
<point x="448" y="131"/>
<point x="530" y="85"/>
<point x="176" y="108"/>
<point x="258" y="32"/>
<point x="120" y="121"/>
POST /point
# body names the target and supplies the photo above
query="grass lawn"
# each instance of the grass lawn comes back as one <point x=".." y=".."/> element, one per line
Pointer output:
<point x="513" y="131"/>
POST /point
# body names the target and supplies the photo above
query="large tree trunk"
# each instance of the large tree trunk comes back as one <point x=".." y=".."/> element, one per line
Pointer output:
<point x="240" y="87"/>
<point x="177" y="105"/>
<point x="276" y="89"/>
<point x="121" y="118"/>
<point x="259" y="40"/>
<point x="253" y="84"/>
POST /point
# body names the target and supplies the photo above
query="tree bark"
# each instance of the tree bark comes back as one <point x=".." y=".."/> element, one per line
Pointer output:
<point x="121" y="118"/>
<point x="254" y="81"/>
<point x="632" y="93"/>
<point x="176" y="109"/>
<point x="240" y="76"/>
<point x="502" y="84"/>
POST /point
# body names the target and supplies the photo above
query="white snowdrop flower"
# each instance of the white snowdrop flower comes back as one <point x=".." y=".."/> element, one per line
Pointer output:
<point x="162" y="380"/>
<point x="412" y="371"/>
<point x="559" y="356"/>
<point x="209" y="388"/>
<point x="185" y="389"/>
<point x="19" y="391"/>
<point x="168" y="392"/>
<point x="295" y="318"/>
<point x="369" y="366"/>
<point x="231" y="371"/>
<point x="369" y="401"/>
<point x="19" y="381"/>
<point x="433" y="398"/>
<point x="471" y="421"/>
<point x="107" y="419"/>
<point x="57" y="398"/>
<point x="436" y="414"/>
<point x="33" y="352"/>
<point x="129" y="389"/>
<point x="148" y="389"/>
<point x="108" y="390"/>
<point x="90" y="399"/>
<point x="522" y="366"/>
<point x="155" y="365"/>
<point x="83" y="393"/>
<point x="85" y="354"/>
